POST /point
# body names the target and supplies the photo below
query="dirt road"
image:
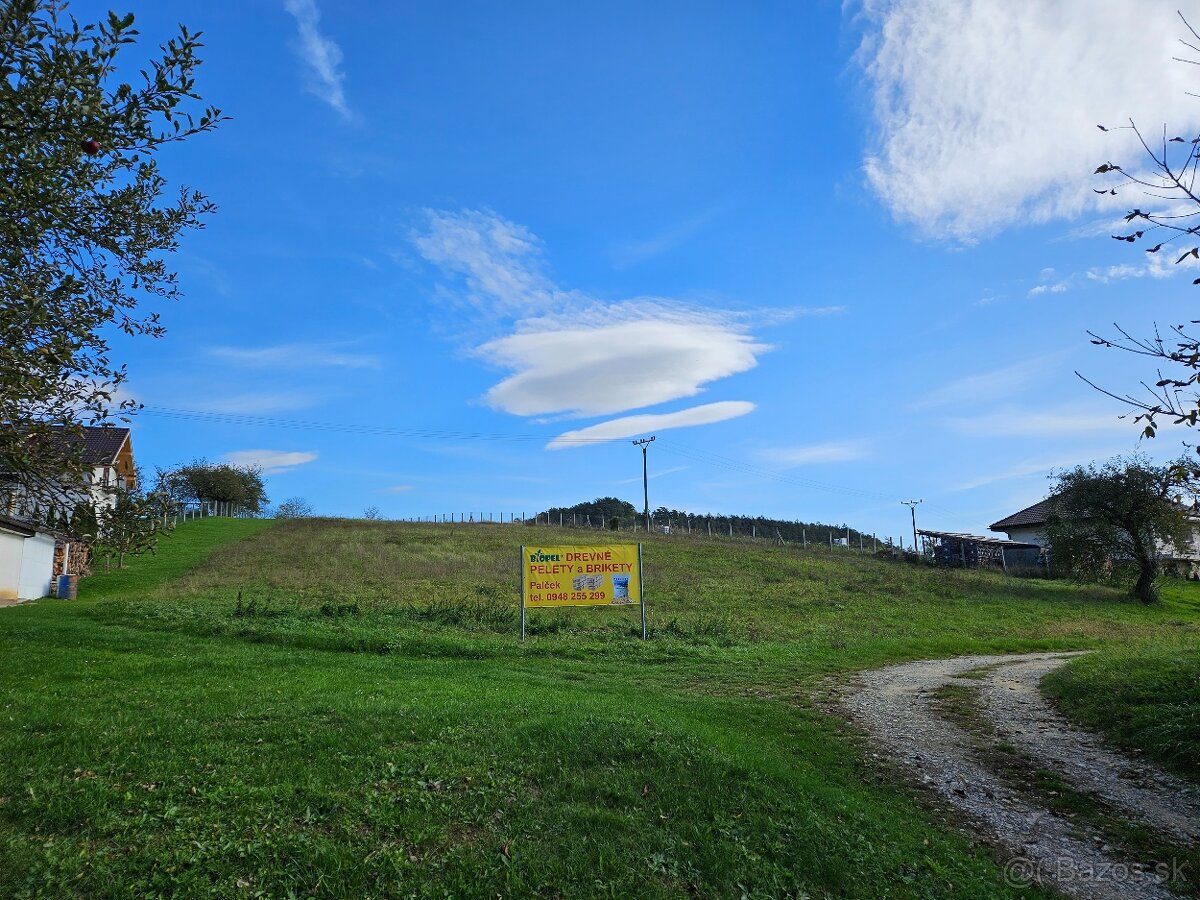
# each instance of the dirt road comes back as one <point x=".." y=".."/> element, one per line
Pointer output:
<point x="977" y="731"/>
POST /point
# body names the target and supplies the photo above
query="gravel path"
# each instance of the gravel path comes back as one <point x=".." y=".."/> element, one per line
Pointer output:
<point x="896" y="707"/>
<point x="1022" y="716"/>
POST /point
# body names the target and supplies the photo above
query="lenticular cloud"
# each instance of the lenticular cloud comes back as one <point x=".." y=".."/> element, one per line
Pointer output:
<point x="618" y="366"/>
<point x="570" y="354"/>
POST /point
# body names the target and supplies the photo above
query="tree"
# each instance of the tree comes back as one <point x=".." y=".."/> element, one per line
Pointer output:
<point x="86" y="225"/>
<point x="372" y="514"/>
<point x="603" y="509"/>
<point x="131" y="525"/>
<point x="1112" y="523"/>
<point x="294" y="508"/>
<point x="205" y="482"/>
<point x="1171" y="216"/>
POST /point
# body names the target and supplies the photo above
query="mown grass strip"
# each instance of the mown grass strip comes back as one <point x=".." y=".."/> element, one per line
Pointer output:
<point x="180" y="551"/>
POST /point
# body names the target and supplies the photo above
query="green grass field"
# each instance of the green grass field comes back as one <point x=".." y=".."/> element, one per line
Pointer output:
<point x="363" y="722"/>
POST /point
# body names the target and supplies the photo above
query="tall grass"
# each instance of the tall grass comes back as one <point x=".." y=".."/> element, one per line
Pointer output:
<point x="465" y="576"/>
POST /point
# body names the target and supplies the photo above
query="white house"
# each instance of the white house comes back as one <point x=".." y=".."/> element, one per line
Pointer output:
<point x="33" y="556"/>
<point x="107" y="454"/>
<point x="27" y="560"/>
<point x="1029" y="526"/>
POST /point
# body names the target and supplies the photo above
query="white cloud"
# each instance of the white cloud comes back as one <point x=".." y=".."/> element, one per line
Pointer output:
<point x="323" y="56"/>
<point x="630" y="426"/>
<point x="1022" y="470"/>
<point x="499" y="261"/>
<point x="1115" y="273"/>
<point x="1166" y="263"/>
<point x="1012" y="422"/>
<point x="1051" y="283"/>
<point x="811" y="454"/>
<point x="1171" y="260"/>
<point x="632" y="362"/>
<point x="399" y="488"/>
<point x="272" y="462"/>
<point x="987" y="112"/>
<point x="571" y="354"/>
<point x="996" y="384"/>
<point x="298" y="355"/>
<point x="1056" y="288"/>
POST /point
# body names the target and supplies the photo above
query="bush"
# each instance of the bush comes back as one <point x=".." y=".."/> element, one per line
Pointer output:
<point x="294" y="508"/>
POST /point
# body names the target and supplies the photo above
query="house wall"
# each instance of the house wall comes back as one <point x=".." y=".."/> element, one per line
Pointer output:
<point x="1189" y="552"/>
<point x="1028" y="534"/>
<point x="12" y="551"/>
<point x="1183" y="559"/>
<point x="102" y="486"/>
<point x="37" y="567"/>
<point x="22" y="504"/>
<point x="99" y="487"/>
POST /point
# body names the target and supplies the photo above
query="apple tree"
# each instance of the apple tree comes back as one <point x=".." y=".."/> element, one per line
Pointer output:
<point x="1114" y="522"/>
<point x="87" y="220"/>
<point x="131" y="524"/>
<point x="207" y="482"/>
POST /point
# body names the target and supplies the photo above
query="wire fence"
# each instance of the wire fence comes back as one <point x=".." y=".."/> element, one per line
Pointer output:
<point x="190" y="510"/>
<point x="708" y="526"/>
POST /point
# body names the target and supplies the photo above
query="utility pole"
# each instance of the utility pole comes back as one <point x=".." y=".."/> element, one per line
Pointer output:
<point x="912" y="507"/>
<point x="644" y="443"/>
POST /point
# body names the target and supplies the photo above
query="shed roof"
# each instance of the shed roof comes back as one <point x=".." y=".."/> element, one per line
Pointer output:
<point x="1030" y="515"/>
<point x="979" y="539"/>
<point x="16" y="526"/>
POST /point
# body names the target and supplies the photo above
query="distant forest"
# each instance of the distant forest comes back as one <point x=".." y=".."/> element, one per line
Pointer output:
<point x="609" y="512"/>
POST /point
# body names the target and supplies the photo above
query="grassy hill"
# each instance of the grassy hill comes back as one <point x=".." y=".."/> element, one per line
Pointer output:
<point x="338" y="708"/>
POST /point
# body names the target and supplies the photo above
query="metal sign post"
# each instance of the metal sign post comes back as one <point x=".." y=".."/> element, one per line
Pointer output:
<point x="521" y="573"/>
<point x="642" y="590"/>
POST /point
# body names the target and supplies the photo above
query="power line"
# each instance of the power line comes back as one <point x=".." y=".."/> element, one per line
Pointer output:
<point x="709" y="458"/>
<point x="912" y="506"/>
<point x="725" y="462"/>
<point x="645" y="443"/>
<point x="357" y="427"/>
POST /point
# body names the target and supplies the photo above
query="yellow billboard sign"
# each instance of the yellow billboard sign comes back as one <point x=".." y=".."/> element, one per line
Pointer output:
<point x="581" y="576"/>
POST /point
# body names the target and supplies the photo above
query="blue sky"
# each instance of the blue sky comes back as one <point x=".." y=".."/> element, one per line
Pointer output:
<point x="834" y="257"/>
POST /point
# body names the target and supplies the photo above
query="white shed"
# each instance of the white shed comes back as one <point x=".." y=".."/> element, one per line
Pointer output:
<point x="26" y="560"/>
